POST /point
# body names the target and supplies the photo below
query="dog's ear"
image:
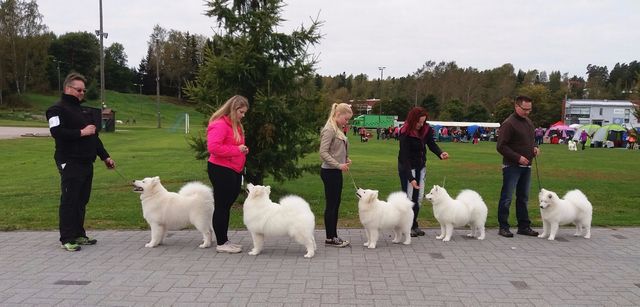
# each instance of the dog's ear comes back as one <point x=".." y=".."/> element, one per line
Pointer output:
<point x="374" y="194"/>
<point x="156" y="179"/>
<point x="249" y="186"/>
<point x="268" y="189"/>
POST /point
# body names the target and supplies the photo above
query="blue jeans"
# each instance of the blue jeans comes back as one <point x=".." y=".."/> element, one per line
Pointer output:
<point x="518" y="179"/>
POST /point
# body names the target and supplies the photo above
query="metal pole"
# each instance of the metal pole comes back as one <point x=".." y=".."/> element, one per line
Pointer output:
<point x="381" y="68"/>
<point x="59" y="84"/>
<point x="158" y="81"/>
<point x="101" y="59"/>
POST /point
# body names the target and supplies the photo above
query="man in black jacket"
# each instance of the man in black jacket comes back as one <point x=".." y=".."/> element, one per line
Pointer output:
<point x="77" y="144"/>
<point x="517" y="146"/>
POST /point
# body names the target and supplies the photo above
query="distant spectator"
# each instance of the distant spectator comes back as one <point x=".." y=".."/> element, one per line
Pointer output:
<point x="583" y="138"/>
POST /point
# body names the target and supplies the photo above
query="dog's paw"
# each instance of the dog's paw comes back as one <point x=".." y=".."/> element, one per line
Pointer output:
<point x="309" y="255"/>
<point x="150" y="245"/>
<point x="440" y="237"/>
<point x="542" y="235"/>
<point x="551" y="238"/>
<point x="587" y="236"/>
<point x="205" y="245"/>
<point x="371" y="246"/>
<point x="406" y="242"/>
<point x="366" y="244"/>
<point x="395" y="241"/>
<point x="253" y="252"/>
<point x="481" y="238"/>
<point x="470" y="235"/>
<point x="446" y="239"/>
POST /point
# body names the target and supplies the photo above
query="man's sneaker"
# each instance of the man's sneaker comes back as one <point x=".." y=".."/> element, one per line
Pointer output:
<point x="528" y="232"/>
<point x="234" y="245"/>
<point x="337" y="242"/>
<point x="505" y="233"/>
<point x="71" y="247"/>
<point x="227" y="247"/>
<point x="86" y="241"/>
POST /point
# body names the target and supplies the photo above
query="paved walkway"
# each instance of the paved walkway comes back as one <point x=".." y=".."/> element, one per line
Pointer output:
<point x="17" y="132"/>
<point x="523" y="271"/>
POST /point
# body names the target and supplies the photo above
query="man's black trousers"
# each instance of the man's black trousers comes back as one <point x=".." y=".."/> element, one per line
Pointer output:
<point x="75" y="184"/>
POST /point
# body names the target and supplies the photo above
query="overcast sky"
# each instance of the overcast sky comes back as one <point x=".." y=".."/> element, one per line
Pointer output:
<point x="401" y="35"/>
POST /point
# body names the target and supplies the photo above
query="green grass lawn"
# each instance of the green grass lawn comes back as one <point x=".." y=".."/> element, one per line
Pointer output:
<point x="29" y="187"/>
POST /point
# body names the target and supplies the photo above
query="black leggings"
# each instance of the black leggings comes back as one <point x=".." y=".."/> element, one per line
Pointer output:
<point x="226" y="188"/>
<point x="332" y="180"/>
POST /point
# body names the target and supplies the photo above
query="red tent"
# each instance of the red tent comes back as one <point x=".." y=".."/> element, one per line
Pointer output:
<point x="558" y="123"/>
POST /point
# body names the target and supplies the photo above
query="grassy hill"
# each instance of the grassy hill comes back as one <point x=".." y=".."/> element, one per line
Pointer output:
<point x="142" y="108"/>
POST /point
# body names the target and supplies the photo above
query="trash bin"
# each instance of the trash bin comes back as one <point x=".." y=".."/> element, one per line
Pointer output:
<point x="108" y="120"/>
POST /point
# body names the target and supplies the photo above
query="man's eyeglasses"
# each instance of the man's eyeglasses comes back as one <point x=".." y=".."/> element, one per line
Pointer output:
<point x="79" y="90"/>
<point x="523" y="109"/>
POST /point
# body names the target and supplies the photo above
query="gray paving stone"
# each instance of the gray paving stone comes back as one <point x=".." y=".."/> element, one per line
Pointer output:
<point x="603" y="270"/>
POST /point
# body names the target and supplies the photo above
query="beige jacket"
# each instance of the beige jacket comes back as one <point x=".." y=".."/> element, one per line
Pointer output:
<point x="333" y="151"/>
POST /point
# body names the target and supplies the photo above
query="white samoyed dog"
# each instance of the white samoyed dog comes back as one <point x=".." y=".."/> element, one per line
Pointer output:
<point x="165" y="210"/>
<point x="292" y="217"/>
<point x="467" y="209"/>
<point x="572" y="146"/>
<point x="376" y="215"/>
<point x="573" y="208"/>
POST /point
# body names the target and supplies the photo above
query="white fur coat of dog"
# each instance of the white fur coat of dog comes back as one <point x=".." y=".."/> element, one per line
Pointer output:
<point x="467" y="209"/>
<point x="574" y="208"/>
<point x="377" y="215"/>
<point x="165" y="210"/>
<point x="292" y="217"/>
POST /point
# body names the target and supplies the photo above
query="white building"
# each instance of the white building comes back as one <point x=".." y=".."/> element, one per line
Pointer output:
<point x="601" y="112"/>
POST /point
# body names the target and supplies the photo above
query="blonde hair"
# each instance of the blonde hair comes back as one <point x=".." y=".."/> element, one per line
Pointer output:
<point x="228" y="108"/>
<point x="338" y="109"/>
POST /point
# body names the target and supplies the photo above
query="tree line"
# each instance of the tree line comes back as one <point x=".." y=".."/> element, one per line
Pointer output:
<point x="289" y="100"/>
<point x="35" y="59"/>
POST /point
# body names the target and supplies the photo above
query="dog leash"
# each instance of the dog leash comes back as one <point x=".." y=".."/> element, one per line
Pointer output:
<point x="121" y="176"/>
<point x="538" y="174"/>
<point x="352" y="181"/>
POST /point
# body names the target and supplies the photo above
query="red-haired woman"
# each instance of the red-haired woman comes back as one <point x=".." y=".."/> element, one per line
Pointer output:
<point x="414" y="137"/>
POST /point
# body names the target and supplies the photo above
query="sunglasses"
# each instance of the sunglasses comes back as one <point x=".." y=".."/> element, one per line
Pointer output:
<point x="79" y="90"/>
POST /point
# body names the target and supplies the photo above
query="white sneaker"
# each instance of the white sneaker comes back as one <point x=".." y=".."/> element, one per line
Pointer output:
<point x="228" y="248"/>
<point x="234" y="245"/>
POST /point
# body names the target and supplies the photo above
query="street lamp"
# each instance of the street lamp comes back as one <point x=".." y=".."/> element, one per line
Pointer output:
<point x="58" y="68"/>
<point x="102" y="37"/>
<point x="381" y="68"/>
<point x="158" y="81"/>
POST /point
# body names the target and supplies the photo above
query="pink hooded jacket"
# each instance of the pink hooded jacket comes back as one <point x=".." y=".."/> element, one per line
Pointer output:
<point x="222" y="146"/>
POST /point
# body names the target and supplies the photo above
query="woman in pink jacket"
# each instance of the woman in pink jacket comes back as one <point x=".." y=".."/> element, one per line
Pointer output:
<point x="227" y="155"/>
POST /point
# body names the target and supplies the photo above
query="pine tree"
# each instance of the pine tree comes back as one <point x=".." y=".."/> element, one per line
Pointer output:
<point x="273" y="70"/>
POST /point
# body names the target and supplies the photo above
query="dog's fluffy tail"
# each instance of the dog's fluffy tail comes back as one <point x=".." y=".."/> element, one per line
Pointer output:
<point x="580" y="200"/>
<point x="400" y="198"/>
<point x="199" y="189"/>
<point x="473" y="201"/>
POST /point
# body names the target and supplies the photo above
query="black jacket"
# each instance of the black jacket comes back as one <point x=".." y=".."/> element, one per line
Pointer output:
<point x="413" y="152"/>
<point x="66" y="119"/>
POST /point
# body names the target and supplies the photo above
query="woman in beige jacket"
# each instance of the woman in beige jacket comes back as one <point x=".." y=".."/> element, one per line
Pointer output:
<point x="335" y="160"/>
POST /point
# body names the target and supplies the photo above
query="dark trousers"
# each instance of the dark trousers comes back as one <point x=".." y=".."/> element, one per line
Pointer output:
<point x="226" y="188"/>
<point x="332" y="180"/>
<point x="75" y="186"/>
<point x="415" y="194"/>
<point x="518" y="179"/>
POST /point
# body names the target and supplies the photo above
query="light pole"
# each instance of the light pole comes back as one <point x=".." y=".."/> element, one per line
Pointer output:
<point x="381" y="68"/>
<point x="58" y="68"/>
<point x="102" y="37"/>
<point x="158" y="81"/>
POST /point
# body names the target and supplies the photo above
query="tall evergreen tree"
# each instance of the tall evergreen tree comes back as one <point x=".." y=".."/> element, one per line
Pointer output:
<point x="273" y="70"/>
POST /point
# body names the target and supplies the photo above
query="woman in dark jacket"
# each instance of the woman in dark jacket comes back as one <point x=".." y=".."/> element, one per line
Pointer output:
<point x="414" y="138"/>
